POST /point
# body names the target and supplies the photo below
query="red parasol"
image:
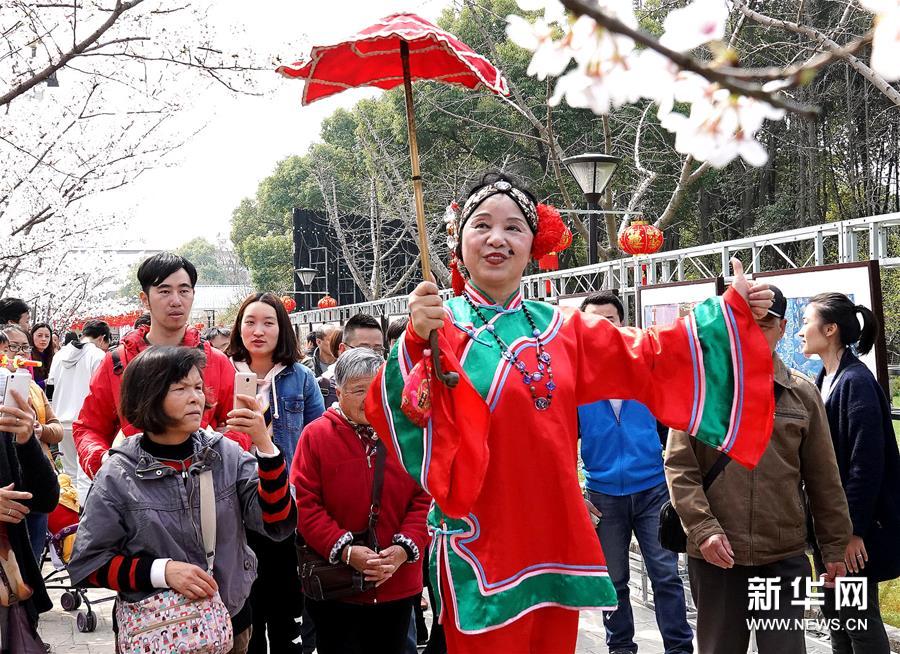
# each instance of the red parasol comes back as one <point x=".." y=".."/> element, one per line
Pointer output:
<point x="394" y="51"/>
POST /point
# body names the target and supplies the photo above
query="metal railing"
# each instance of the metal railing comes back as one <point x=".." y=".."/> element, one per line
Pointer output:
<point x="830" y="243"/>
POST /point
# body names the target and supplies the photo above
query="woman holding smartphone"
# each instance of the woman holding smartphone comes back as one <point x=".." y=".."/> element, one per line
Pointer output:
<point x="47" y="428"/>
<point x="263" y="343"/>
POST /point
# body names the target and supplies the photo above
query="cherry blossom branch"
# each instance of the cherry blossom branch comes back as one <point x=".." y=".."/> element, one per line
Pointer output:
<point x="44" y="75"/>
<point x="687" y="62"/>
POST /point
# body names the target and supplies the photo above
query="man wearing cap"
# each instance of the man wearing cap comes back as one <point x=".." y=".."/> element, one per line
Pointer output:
<point x="748" y="531"/>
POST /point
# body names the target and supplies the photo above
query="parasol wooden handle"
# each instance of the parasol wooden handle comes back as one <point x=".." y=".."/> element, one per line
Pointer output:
<point x="449" y="379"/>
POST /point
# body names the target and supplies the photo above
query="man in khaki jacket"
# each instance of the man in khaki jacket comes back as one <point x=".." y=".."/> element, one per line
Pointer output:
<point x="752" y="525"/>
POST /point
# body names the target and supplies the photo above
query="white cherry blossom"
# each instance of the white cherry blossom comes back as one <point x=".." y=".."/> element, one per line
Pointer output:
<point x="662" y="81"/>
<point x="550" y="57"/>
<point x="886" y="38"/>
<point x="722" y="126"/>
<point x="610" y="72"/>
<point x="689" y="27"/>
<point x="599" y="88"/>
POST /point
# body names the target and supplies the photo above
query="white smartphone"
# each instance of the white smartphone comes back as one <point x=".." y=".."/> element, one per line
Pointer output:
<point x="19" y="381"/>
<point x="244" y="384"/>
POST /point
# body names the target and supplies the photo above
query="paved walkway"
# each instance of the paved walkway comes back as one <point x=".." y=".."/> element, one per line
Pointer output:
<point x="59" y="629"/>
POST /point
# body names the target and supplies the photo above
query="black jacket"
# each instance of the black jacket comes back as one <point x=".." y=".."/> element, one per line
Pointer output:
<point x="859" y="415"/>
<point x="30" y="470"/>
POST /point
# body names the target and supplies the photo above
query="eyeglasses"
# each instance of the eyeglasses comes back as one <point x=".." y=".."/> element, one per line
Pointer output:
<point x="20" y="349"/>
<point x="377" y="350"/>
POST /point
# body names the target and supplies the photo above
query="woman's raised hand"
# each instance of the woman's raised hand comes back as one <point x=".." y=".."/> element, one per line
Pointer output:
<point x="249" y="420"/>
<point x="758" y="296"/>
<point x="426" y="309"/>
<point x="190" y="580"/>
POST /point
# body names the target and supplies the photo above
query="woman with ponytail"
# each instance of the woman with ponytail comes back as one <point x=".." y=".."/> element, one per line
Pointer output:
<point x="859" y="415"/>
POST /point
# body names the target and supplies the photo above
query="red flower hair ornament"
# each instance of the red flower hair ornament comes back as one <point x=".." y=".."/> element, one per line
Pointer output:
<point x="550" y="230"/>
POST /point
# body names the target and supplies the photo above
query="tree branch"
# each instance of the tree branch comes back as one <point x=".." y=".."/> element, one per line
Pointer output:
<point x="44" y="75"/>
<point x="835" y="51"/>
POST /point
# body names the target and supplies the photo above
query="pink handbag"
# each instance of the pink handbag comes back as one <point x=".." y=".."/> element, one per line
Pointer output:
<point x="168" y="622"/>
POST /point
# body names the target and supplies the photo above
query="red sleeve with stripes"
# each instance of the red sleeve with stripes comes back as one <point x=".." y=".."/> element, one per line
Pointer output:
<point x="274" y="491"/>
<point x="124" y="573"/>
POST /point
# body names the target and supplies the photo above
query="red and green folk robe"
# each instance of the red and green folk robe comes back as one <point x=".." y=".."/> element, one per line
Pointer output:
<point x="509" y="526"/>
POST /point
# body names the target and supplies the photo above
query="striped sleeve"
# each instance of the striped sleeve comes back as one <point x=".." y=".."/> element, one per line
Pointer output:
<point x="708" y="374"/>
<point x="124" y="574"/>
<point x="733" y="405"/>
<point x="274" y="491"/>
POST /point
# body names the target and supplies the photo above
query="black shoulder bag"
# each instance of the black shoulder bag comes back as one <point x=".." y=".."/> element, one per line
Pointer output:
<point x="671" y="533"/>
<point x="322" y="580"/>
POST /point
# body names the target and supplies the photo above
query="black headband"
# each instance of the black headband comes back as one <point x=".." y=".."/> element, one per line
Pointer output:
<point x="527" y="207"/>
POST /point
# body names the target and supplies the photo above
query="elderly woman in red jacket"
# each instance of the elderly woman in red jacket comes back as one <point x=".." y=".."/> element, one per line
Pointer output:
<point x="333" y="473"/>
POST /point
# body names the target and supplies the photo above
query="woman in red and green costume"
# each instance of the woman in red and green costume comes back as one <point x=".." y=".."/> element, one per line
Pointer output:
<point x="514" y="555"/>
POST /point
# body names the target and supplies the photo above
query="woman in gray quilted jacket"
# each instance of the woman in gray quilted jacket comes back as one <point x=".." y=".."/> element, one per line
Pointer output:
<point x="140" y="533"/>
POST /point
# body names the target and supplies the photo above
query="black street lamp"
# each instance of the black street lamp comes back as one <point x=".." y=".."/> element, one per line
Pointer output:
<point x="592" y="171"/>
<point x="305" y="277"/>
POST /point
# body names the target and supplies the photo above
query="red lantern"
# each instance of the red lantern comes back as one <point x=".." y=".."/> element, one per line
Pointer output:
<point x="327" y="302"/>
<point x="550" y="261"/>
<point x="641" y="238"/>
<point x="288" y="302"/>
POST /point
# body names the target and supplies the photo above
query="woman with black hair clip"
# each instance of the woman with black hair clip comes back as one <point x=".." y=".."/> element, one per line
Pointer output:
<point x="859" y="415"/>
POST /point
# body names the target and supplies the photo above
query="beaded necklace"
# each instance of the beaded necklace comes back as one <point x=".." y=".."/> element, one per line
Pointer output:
<point x="544" y="372"/>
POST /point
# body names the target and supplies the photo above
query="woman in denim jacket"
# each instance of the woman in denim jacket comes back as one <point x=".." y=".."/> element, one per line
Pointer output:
<point x="263" y="342"/>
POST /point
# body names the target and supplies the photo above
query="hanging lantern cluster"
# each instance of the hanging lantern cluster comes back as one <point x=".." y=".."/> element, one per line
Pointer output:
<point x="118" y="320"/>
<point x="550" y="261"/>
<point x="640" y="237"/>
<point x="327" y="302"/>
<point x="289" y="303"/>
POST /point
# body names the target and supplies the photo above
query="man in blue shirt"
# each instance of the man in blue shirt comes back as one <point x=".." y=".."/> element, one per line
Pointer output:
<point x="623" y="464"/>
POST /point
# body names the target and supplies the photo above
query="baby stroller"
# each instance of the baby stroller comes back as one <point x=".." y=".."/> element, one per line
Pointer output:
<point x="62" y="527"/>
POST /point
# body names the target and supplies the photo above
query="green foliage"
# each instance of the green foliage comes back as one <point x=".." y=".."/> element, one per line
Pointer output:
<point x="272" y="267"/>
<point x="131" y="289"/>
<point x="889" y="599"/>
<point x="205" y="257"/>
<point x="227" y="317"/>
<point x="261" y="226"/>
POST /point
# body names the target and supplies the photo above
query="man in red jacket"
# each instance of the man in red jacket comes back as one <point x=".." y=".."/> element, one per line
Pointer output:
<point x="168" y="282"/>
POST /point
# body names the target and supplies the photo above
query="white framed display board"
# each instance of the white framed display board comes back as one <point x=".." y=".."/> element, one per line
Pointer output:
<point x="860" y="281"/>
<point x="662" y="304"/>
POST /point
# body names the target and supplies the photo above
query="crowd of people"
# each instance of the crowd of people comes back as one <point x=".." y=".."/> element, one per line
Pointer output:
<point x="348" y="451"/>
